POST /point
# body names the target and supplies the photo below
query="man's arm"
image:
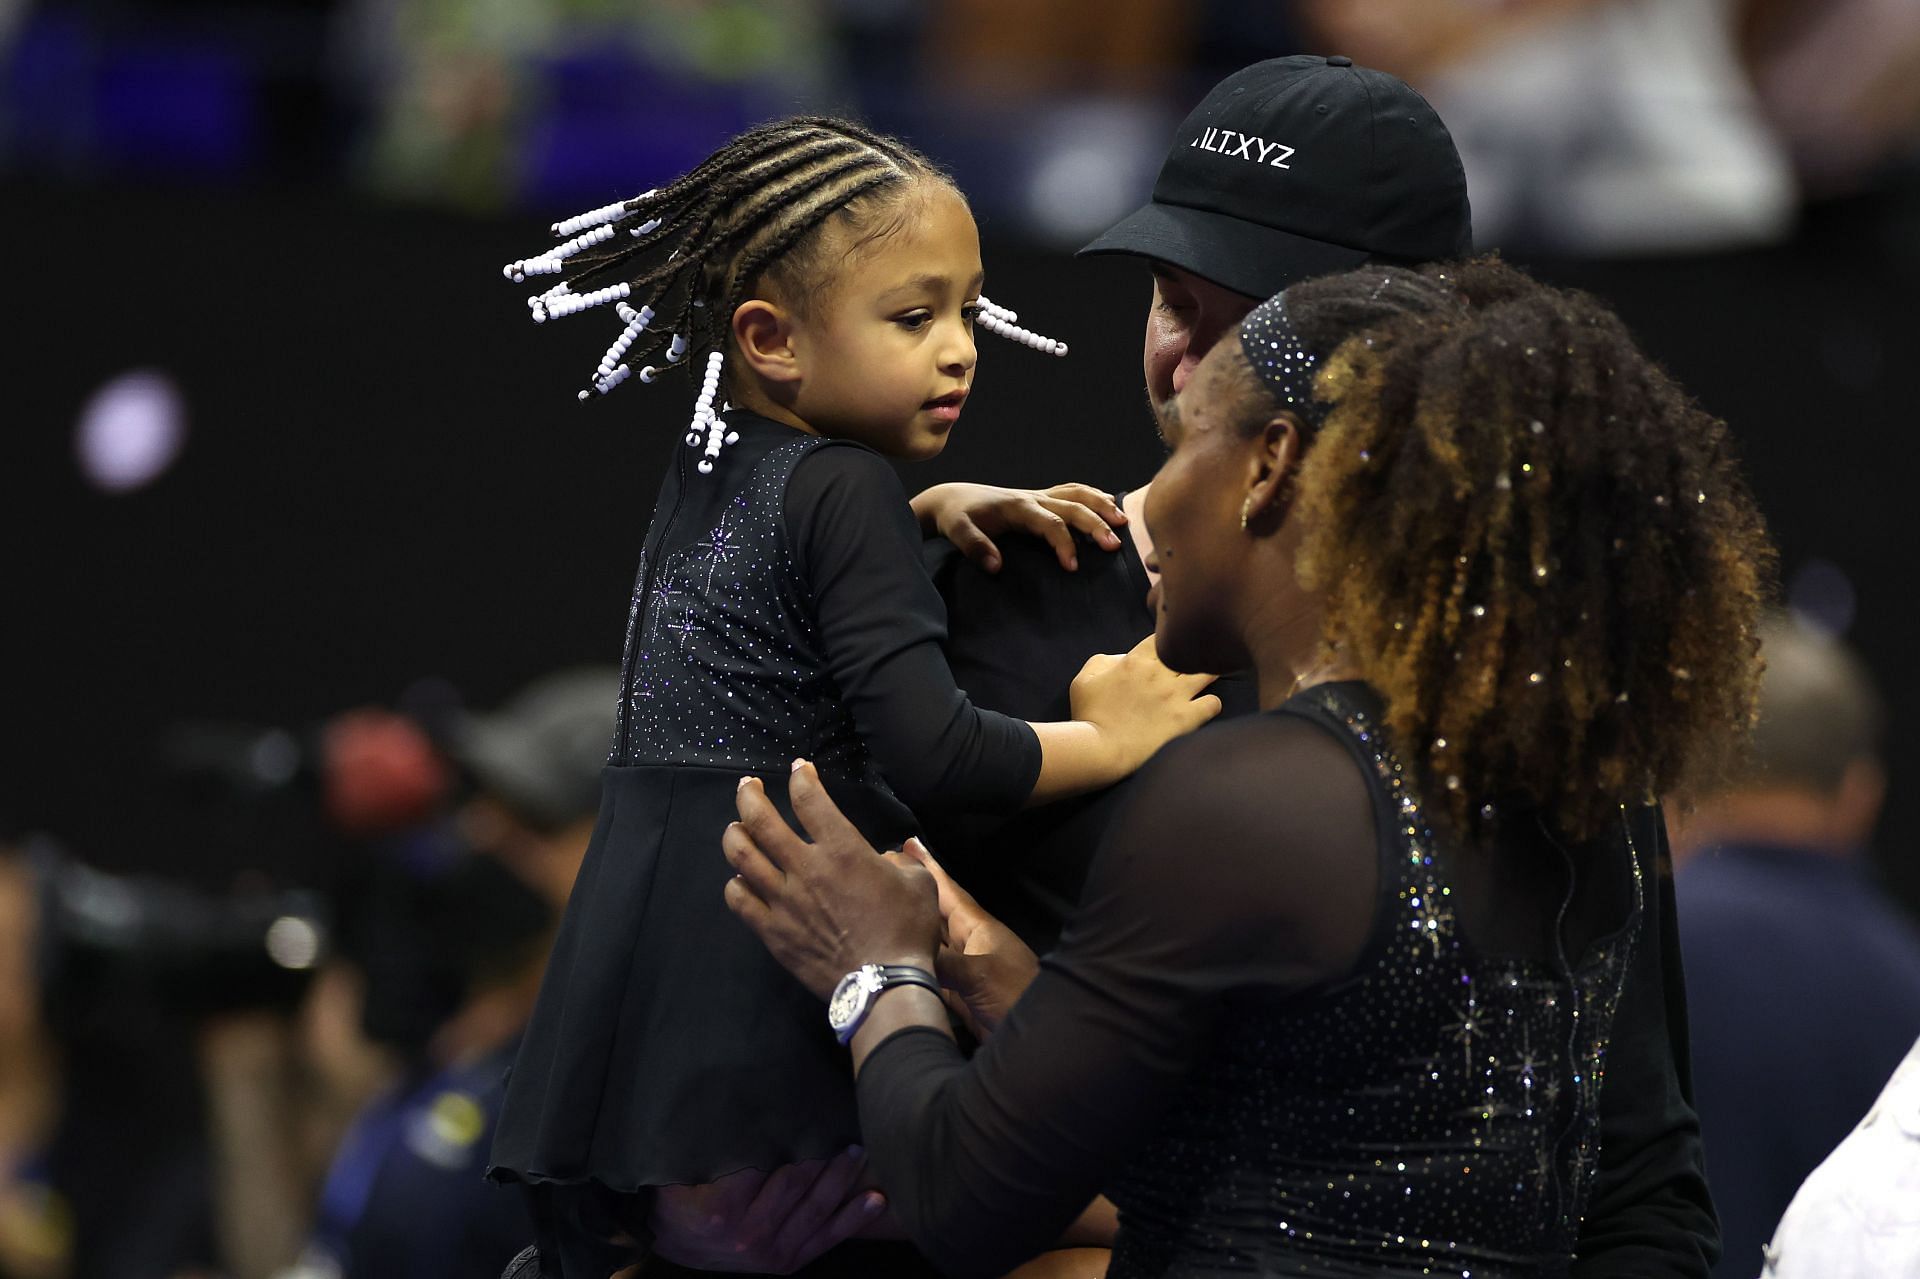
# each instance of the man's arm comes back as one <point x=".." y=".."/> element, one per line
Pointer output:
<point x="1650" y="1215"/>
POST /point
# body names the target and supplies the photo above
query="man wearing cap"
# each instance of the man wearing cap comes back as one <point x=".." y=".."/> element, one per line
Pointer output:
<point x="405" y="1195"/>
<point x="1289" y="169"/>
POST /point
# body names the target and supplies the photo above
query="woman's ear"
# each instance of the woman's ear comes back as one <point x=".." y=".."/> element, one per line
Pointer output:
<point x="764" y="332"/>
<point x="1276" y="456"/>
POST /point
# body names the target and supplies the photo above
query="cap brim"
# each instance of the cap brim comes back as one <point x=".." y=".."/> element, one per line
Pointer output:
<point x="1254" y="260"/>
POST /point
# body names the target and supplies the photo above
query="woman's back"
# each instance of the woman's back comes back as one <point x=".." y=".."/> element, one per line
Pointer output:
<point x="1433" y="1111"/>
<point x="1307" y="1035"/>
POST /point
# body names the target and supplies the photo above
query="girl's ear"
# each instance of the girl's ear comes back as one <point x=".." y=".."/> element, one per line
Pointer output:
<point x="1276" y="456"/>
<point x="764" y="332"/>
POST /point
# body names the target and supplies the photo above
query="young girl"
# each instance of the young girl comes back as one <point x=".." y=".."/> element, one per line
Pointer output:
<point x="832" y="278"/>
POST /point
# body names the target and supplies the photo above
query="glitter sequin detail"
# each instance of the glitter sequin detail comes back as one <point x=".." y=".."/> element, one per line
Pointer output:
<point x="1436" y="1113"/>
<point x="723" y="664"/>
<point x="1284" y="364"/>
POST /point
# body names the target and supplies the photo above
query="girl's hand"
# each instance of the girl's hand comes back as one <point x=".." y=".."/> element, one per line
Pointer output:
<point x="968" y="515"/>
<point x="1138" y="705"/>
<point x="982" y="964"/>
<point x="826" y="904"/>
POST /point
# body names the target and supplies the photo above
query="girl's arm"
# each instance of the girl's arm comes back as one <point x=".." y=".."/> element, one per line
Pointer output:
<point x="1125" y="707"/>
<point x="882" y="625"/>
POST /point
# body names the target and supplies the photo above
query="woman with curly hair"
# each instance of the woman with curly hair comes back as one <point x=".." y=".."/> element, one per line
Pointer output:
<point x="1338" y="997"/>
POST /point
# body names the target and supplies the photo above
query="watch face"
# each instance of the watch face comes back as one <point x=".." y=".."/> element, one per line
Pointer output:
<point x="848" y="998"/>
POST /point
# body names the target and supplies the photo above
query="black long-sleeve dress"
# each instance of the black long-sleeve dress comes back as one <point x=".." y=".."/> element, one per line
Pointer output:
<point x="1017" y="638"/>
<point x="781" y="611"/>
<point x="1290" y="1030"/>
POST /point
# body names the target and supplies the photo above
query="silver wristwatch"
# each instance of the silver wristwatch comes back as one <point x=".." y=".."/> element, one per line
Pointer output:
<point x="853" y="998"/>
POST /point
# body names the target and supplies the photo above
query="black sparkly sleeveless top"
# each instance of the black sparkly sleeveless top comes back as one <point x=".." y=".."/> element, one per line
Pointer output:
<point x="1436" y="1113"/>
<point x="723" y="665"/>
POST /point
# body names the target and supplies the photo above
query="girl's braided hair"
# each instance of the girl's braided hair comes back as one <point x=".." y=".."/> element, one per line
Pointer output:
<point x="1533" y="544"/>
<point x="690" y="252"/>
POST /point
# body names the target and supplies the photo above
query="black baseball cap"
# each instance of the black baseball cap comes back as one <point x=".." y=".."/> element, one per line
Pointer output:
<point x="1299" y="167"/>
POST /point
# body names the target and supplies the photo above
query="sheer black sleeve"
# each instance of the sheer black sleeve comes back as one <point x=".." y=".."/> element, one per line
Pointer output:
<point x="1242" y="869"/>
<point x="882" y="626"/>
<point x="1650" y="1215"/>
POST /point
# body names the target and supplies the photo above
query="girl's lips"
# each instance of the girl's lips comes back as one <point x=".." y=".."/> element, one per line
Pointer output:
<point x="947" y="407"/>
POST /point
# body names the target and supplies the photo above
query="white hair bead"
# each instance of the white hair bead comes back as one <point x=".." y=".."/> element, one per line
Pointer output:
<point x="650" y="225"/>
<point x="994" y="320"/>
<point x="573" y="303"/>
<point x="990" y="307"/>
<point x="585" y="240"/>
<point x="677" y="349"/>
<point x="592" y="218"/>
<point x="705" y="421"/>
<point x="648" y="373"/>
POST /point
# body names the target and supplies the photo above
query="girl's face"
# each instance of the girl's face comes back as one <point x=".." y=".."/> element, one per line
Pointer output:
<point x="1193" y="516"/>
<point x="886" y="356"/>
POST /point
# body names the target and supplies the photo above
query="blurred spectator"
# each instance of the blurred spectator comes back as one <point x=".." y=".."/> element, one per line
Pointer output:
<point x="1804" y="982"/>
<point x="405" y="1196"/>
<point x="1591" y="127"/>
<point x="36" y="1221"/>
<point x="550" y="100"/>
<point x="1012" y="47"/>
<point x="94" y="1184"/>
<point x="1841" y="128"/>
<point x="1854" y="1218"/>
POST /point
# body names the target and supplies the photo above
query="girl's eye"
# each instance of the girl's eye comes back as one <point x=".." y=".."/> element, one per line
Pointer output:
<point x="914" y="321"/>
<point x="970" y="312"/>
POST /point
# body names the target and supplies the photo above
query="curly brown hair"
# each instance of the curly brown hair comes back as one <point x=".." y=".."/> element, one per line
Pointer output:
<point x="1533" y="544"/>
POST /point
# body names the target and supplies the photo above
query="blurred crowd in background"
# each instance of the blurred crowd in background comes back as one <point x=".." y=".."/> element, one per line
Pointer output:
<point x="283" y="1066"/>
<point x="1589" y="126"/>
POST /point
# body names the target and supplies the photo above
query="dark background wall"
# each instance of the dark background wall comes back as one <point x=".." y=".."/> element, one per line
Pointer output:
<point x="387" y="477"/>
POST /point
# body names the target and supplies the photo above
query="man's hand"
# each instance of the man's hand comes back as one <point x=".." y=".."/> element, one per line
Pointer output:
<point x="982" y="964"/>
<point x="766" y="1223"/>
<point x="825" y="904"/>
<point x="968" y="515"/>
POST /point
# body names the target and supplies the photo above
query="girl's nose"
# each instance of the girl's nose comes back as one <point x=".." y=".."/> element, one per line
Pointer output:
<point x="960" y="354"/>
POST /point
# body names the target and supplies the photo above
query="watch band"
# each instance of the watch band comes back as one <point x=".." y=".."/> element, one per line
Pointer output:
<point x="865" y="984"/>
<point x="906" y="975"/>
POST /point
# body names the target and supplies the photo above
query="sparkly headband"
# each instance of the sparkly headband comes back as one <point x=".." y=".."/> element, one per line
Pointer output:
<point x="1283" y="362"/>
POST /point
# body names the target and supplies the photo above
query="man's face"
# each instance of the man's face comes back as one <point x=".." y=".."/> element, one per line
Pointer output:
<point x="1189" y="316"/>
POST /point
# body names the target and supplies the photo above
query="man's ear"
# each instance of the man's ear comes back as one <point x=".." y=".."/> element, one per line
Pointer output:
<point x="1270" y="471"/>
<point x="763" y="332"/>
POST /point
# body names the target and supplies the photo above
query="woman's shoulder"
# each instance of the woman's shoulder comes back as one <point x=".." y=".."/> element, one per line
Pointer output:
<point x="1284" y="775"/>
<point x="1280" y="815"/>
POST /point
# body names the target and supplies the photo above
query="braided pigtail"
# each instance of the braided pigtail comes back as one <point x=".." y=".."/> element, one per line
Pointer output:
<point x="675" y="262"/>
